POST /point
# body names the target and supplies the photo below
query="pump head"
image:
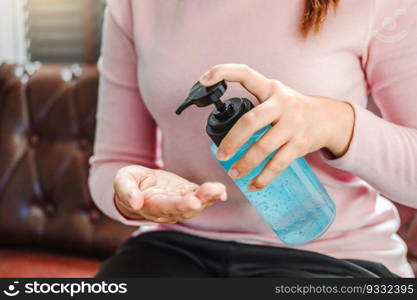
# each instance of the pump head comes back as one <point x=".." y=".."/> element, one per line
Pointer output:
<point x="226" y="113"/>
<point x="204" y="96"/>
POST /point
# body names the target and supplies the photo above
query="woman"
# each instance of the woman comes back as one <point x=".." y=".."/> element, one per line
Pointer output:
<point x="316" y="62"/>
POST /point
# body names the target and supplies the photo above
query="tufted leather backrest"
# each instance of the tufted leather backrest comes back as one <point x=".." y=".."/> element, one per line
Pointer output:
<point x="47" y="121"/>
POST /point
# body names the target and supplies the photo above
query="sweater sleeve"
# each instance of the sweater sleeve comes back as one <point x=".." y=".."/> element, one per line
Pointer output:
<point x="125" y="132"/>
<point x="383" y="151"/>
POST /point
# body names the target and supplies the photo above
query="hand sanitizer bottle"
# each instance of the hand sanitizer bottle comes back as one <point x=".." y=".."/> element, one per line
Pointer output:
<point x="295" y="204"/>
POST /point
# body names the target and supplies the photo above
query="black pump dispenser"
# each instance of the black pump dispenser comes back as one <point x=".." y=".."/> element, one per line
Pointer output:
<point x="226" y="113"/>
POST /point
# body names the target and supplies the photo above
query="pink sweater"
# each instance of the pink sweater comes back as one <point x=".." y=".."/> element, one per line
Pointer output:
<point x="154" y="51"/>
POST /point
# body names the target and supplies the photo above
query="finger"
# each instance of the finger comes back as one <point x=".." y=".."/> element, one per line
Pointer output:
<point x="147" y="181"/>
<point x="279" y="162"/>
<point x="182" y="199"/>
<point x="185" y="214"/>
<point x="188" y="203"/>
<point x="252" y="121"/>
<point x="161" y="204"/>
<point x="273" y="139"/>
<point x="159" y="219"/>
<point x="254" y="82"/>
<point x="211" y="191"/>
<point x="190" y="215"/>
<point x="127" y="190"/>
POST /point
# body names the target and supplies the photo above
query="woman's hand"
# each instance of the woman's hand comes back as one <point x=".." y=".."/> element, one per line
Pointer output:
<point x="300" y="124"/>
<point x="161" y="196"/>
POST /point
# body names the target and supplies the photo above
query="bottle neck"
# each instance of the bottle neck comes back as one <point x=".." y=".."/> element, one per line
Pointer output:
<point x="220" y="122"/>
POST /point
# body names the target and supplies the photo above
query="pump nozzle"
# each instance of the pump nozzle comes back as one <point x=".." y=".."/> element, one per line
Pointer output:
<point x="226" y="114"/>
<point x="204" y="96"/>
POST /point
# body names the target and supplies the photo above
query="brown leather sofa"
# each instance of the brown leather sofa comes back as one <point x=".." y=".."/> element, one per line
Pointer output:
<point x="48" y="223"/>
<point x="49" y="226"/>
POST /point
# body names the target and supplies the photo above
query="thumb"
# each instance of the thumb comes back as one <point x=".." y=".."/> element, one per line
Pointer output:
<point x="127" y="190"/>
<point x="135" y="199"/>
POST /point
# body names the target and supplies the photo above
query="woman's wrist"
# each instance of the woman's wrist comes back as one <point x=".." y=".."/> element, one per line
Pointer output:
<point x="342" y="116"/>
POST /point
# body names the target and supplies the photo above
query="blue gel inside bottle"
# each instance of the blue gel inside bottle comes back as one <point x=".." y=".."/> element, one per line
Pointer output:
<point x="295" y="204"/>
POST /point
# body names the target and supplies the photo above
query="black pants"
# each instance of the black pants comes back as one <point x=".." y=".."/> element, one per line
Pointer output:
<point x="176" y="254"/>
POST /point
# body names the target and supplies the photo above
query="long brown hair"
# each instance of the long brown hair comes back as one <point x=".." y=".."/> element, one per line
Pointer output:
<point x="315" y="13"/>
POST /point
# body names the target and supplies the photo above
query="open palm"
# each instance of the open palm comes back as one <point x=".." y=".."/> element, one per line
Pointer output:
<point x="161" y="196"/>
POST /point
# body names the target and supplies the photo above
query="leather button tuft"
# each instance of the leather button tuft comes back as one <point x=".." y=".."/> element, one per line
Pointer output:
<point x="34" y="140"/>
<point x="26" y="70"/>
<point x="76" y="70"/>
<point x="94" y="215"/>
<point x="84" y="144"/>
<point x="50" y="209"/>
<point x="71" y="73"/>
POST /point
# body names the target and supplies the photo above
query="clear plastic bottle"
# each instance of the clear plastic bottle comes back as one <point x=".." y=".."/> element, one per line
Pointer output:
<point x="295" y="204"/>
